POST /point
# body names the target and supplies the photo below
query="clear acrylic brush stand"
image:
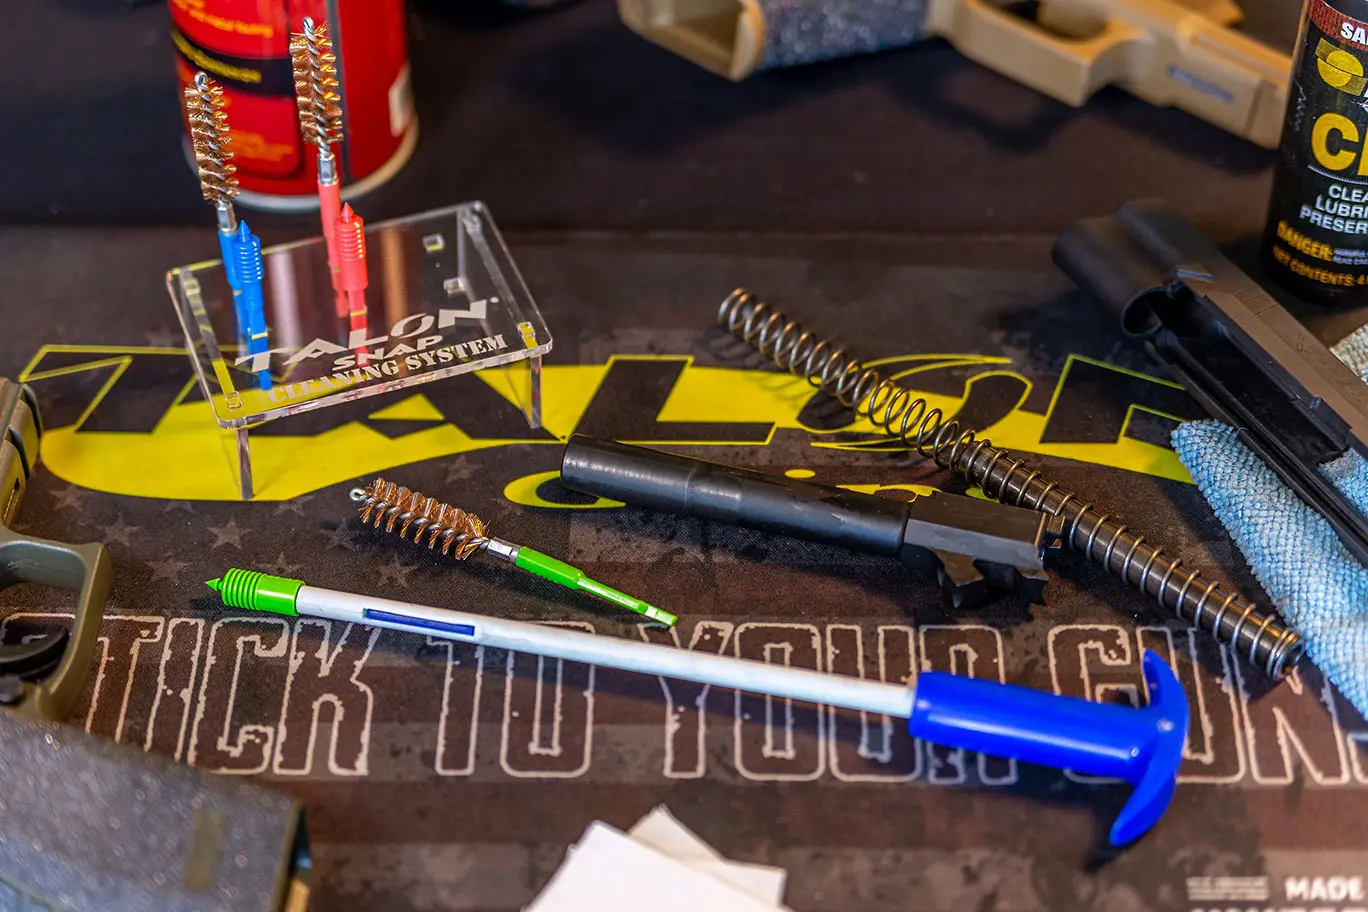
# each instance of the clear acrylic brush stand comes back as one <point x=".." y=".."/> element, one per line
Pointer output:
<point x="444" y="298"/>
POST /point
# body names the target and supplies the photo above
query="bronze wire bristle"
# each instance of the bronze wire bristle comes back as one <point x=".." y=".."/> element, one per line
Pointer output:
<point x="316" y="86"/>
<point x="209" y="138"/>
<point x="386" y="503"/>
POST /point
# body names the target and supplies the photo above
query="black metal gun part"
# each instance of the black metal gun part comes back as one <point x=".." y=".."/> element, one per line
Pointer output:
<point x="977" y="545"/>
<point x="1247" y="360"/>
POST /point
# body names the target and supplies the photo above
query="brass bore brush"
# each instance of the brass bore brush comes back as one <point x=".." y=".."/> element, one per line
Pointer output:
<point x="209" y="138"/>
<point x="462" y="534"/>
<point x="317" y="93"/>
<point x="319" y="101"/>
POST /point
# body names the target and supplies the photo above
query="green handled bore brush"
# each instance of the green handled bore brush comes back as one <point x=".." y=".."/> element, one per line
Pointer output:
<point x="462" y="534"/>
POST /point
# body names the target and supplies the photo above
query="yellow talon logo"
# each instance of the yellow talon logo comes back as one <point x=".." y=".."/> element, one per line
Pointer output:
<point x="116" y="410"/>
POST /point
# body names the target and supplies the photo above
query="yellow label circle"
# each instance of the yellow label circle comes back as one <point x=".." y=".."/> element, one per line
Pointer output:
<point x="1338" y="67"/>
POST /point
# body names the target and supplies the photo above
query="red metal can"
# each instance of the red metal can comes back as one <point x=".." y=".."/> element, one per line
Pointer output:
<point x="244" y="45"/>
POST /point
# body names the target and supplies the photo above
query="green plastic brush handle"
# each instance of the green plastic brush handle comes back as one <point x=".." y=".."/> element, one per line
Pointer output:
<point x="561" y="573"/>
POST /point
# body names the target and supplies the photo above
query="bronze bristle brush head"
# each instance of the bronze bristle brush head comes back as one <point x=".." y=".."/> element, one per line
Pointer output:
<point x="398" y="509"/>
<point x="209" y="138"/>
<point x="384" y="503"/>
<point x="316" y="87"/>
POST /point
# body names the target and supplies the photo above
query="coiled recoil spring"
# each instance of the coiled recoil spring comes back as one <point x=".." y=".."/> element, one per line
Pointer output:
<point x="898" y="412"/>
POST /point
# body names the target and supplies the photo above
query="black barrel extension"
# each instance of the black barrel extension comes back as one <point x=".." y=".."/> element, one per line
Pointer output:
<point x="978" y="543"/>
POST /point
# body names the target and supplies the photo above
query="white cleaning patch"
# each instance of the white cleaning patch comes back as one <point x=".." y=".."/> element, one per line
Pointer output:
<point x="661" y="866"/>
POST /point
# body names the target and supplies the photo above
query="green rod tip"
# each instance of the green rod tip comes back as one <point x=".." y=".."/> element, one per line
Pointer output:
<point x="257" y="591"/>
<point x="661" y="615"/>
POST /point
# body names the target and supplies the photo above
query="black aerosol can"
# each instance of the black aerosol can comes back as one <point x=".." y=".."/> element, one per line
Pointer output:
<point x="1316" y="243"/>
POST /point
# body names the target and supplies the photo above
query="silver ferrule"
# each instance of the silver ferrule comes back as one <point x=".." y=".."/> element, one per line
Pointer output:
<point x="503" y="550"/>
<point x="327" y="166"/>
<point x="227" y="218"/>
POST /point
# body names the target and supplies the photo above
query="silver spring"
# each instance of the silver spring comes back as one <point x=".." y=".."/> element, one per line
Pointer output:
<point x="912" y="420"/>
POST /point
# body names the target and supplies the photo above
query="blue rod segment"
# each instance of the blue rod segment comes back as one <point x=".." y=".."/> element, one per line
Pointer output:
<point x="390" y="617"/>
<point x="1141" y="746"/>
<point x="228" y="248"/>
<point x="250" y="269"/>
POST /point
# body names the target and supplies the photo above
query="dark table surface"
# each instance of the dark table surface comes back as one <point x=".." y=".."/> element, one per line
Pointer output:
<point x="903" y="202"/>
<point x="564" y="119"/>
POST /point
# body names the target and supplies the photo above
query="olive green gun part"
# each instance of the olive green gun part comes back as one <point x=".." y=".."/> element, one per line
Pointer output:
<point x="43" y="678"/>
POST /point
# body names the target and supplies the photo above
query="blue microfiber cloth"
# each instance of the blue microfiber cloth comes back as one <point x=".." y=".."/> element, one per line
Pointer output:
<point x="1317" y="585"/>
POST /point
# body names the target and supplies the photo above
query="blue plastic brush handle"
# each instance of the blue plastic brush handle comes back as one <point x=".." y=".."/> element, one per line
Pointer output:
<point x="250" y="270"/>
<point x="1141" y="746"/>
<point x="228" y="247"/>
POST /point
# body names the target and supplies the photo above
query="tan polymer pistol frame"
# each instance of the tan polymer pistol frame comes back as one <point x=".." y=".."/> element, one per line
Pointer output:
<point x="1167" y="52"/>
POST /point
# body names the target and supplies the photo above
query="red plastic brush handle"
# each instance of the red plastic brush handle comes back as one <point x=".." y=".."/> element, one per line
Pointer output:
<point x="349" y="231"/>
<point x="330" y="210"/>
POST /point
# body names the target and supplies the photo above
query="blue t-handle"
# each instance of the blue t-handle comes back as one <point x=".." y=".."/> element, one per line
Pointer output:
<point x="1142" y="746"/>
